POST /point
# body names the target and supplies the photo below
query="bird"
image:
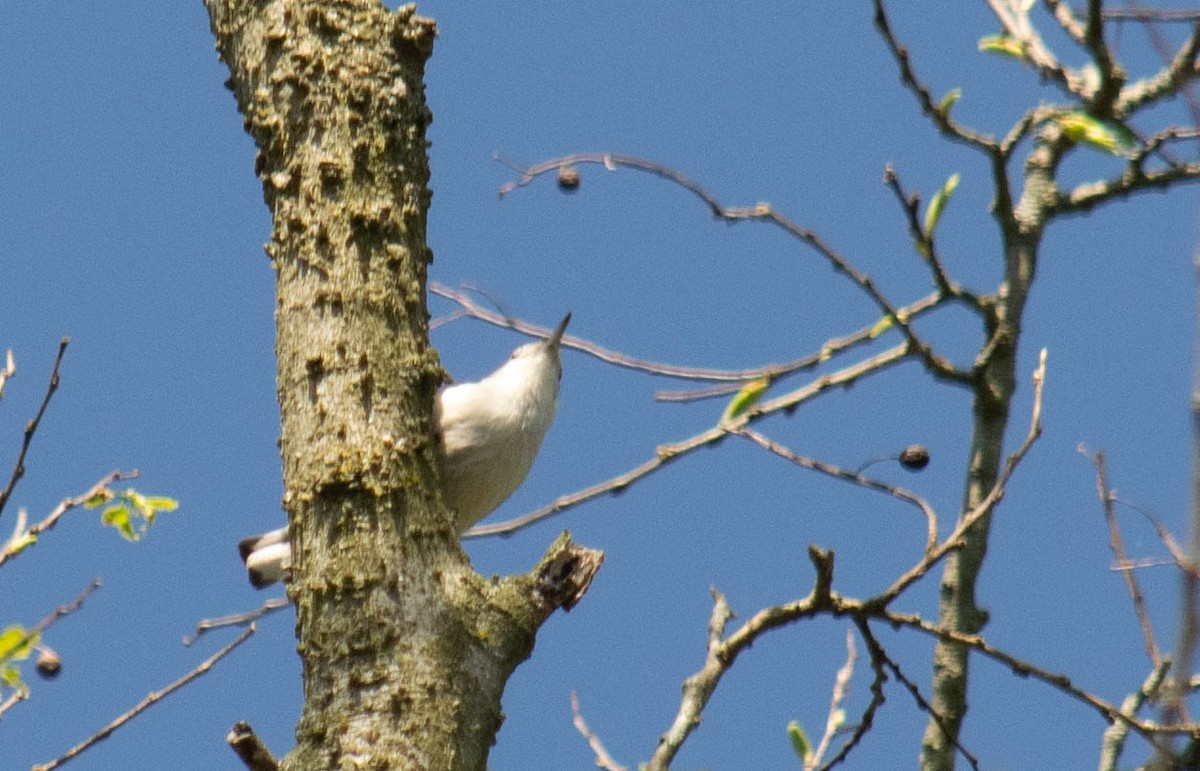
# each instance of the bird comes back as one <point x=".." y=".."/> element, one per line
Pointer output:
<point x="491" y="432"/>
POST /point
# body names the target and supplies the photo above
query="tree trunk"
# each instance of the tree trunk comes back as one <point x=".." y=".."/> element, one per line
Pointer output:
<point x="405" y="649"/>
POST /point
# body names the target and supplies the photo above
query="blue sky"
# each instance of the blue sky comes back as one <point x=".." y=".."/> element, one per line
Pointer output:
<point x="132" y="223"/>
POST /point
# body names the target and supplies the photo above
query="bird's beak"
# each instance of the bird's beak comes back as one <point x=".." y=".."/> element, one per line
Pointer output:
<point x="556" y="336"/>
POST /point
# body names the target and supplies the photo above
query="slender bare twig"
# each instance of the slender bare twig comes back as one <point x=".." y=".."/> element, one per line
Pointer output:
<point x="730" y="380"/>
<point x="1067" y="19"/>
<point x="15" y="698"/>
<point x="31" y="427"/>
<point x="1167" y="82"/>
<point x="62" y="611"/>
<point x="1034" y="50"/>
<point x="723" y="651"/>
<point x="1149" y="730"/>
<point x="1178" y="557"/>
<point x="668" y="453"/>
<point x="994" y="496"/>
<point x="1117" y="544"/>
<point x="877" y="651"/>
<point x="21" y="538"/>
<point x="931" y="520"/>
<point x="1152" y="14"/>
<point x="1113" y="742"/>
<point x="207" y="625"/>
<point x="10" y="369"/>
<point x="34" y="632"/>
<point x="938" y="113"/>
<point x="835" y="721"/>
<point x="475" y="310"/>
<point x="603" y="759"/>
<point x="151" y="699"/>
<point x="250" y="749"/>
<point x="926" y="246"/>
<point x="761" y="212"/>
<point x="867" y="718"/>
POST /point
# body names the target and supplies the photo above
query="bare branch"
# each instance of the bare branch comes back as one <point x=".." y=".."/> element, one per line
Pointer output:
<point x="1114" y="736"/>
<point x="62" y="611"/>
<point x="10" y="369"/>
<point x="841" y="689"/>
<point x="698" y="687"/>
<point x="1166" y="82"/>
<point x="938" y="113"/>
<point x="877" y="652"/>
<point x="250" y="749"/>
<point x="1147" y="729"/>
<point x="17" y="696"/>
<point x="603" y="760"/>
<point x="931" y="521"/>
<point x="1034" y="50"/>
<point x="206" y="625"/>
<point x="994" y="496"/>
<point x="151" y="699"/>
<point x="32" y="426"/>
<point x="924" y="241"/>
<point x="20" y="538"/>
<point x="1117" y="544"/>
<point x="668" y="453"/>
<point x="761" y="212"/>
<point x="867" y="718"/>
<point x="1069" y="22"/>
<point x="1086" y="197"/>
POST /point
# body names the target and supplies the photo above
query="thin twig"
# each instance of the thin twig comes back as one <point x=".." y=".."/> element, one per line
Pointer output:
<point x="924" y="242"/>
<point x="31" y="427"/>
<point x="829" y="350"/>
<point x="62" y="611"/>
<point x="668" y="453"/>
<point x="603" y="759"/>
<point x="1113" y="742"/>
<point x="933" y="110"/>
<point x="1117" y="544"/>
<point x="237" y="619"/>
<point x="1149" y="730"/>
<point x="722" y="652"/>
<point x="10" y="369"/>
<point x="994" y="496"/>
<point x="761" y="212"/>
<point x="931" y="520"/>
<point x="20" y="540"/>
<point x="15" y="698"/>
<point x="835" y="721"/>
<point x="867" y="718"/>
<point x="152" y="698"/>
<point x="1178" y="557"/>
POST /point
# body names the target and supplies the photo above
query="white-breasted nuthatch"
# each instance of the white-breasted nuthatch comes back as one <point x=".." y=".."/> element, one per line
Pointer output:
<point x="490" y="431"/>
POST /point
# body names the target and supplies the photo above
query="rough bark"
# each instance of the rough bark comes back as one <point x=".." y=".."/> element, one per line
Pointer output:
<point x="994" y="388"/>
<point x="405" y="649"/>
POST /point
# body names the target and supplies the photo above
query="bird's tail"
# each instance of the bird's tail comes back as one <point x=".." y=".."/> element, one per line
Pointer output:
<point x="268" y="557"/>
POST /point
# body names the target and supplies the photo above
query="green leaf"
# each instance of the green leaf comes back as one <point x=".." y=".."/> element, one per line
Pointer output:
<point x="119" y="516"/>
<point x="21" y="542"/>
<point x="952" y="96"/>
<point x="11" y="676"/>
<point x="938" y="204"/>
<point x="1003" y="45"/>
<point x="1110" y="136"/>
<point x="800" y="743"/>
<point x="98" y="500"/>
<point x="881" y="326"/>
<point x="746" y="398"/>
<point x="133" y="513"/>
<point x="16" y="643"/>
